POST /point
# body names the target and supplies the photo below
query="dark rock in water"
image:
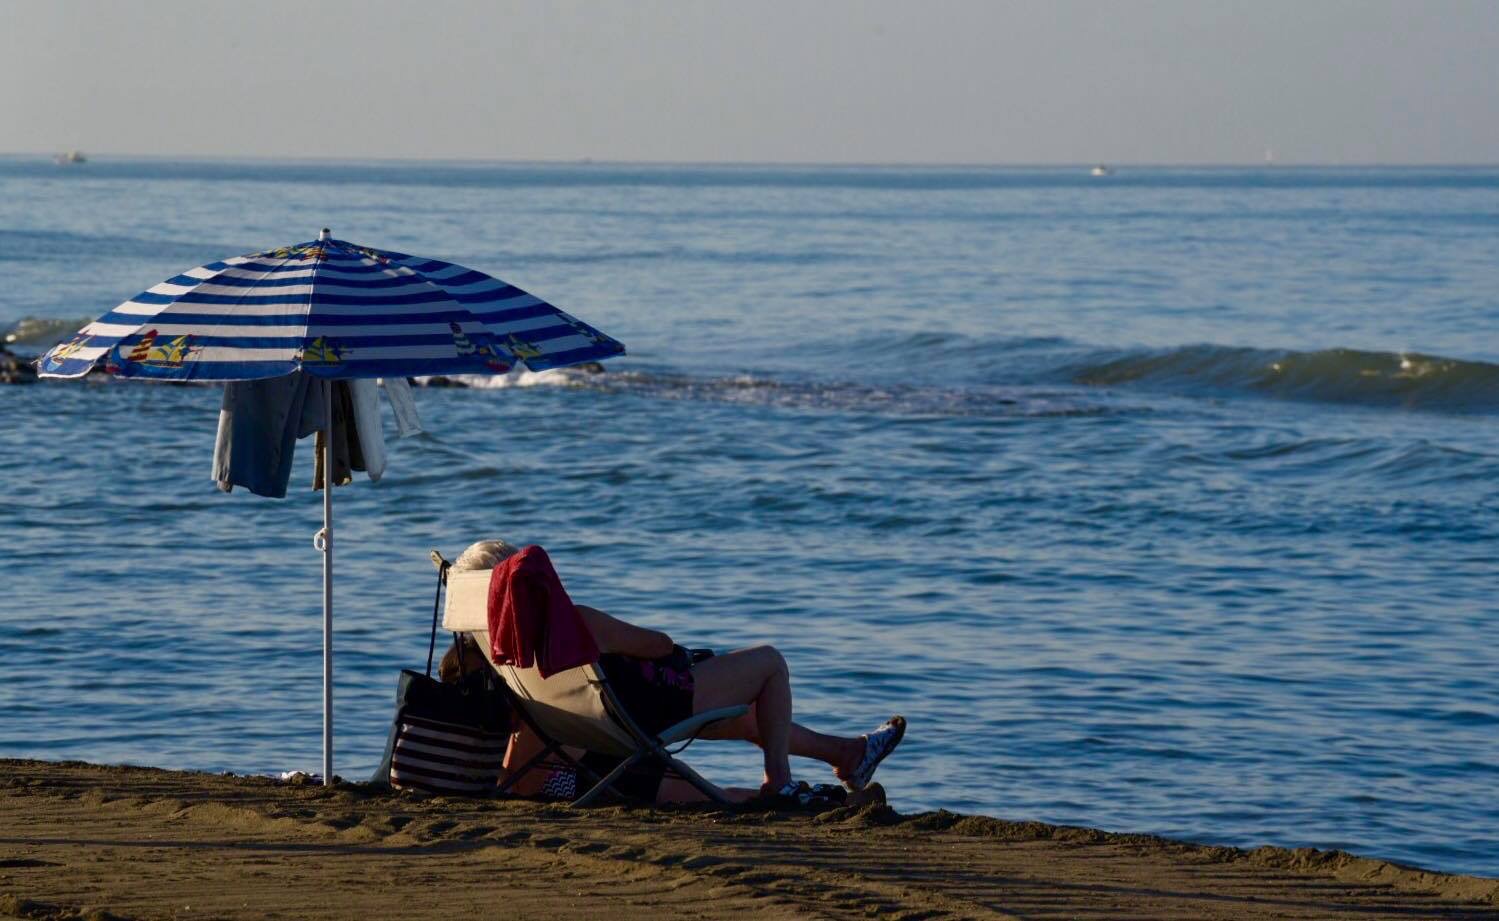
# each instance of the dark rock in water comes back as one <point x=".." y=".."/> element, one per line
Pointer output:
<point x="14" y="370"/>
<point x="440" y="380"/>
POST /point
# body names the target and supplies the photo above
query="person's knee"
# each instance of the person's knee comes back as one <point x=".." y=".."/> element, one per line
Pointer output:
<point x="774" y="662"/>
<point x="772" y="666"/>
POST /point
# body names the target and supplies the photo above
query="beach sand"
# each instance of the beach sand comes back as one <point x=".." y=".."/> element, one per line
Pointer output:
<point x="80" y="840"/>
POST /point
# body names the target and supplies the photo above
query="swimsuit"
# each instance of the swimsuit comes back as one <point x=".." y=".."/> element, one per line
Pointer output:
<point x="657" y="693"/>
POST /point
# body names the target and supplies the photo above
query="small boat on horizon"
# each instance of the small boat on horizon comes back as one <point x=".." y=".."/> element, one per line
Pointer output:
<point x="1101" y="170"/>
<point x="70" y="158"/>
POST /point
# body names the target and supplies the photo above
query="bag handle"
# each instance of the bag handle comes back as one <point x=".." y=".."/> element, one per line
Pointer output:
<point x="442" y="579"/>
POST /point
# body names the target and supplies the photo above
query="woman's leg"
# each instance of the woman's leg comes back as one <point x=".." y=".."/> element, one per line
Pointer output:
<point x="755" y="676"/>
<point x="841" y="753"/>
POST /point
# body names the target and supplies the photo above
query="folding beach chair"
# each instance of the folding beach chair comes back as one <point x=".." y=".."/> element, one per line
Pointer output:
<point x="574" y="708"/>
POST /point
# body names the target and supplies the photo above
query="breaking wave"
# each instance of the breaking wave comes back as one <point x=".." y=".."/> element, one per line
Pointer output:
<point x="968" y="377"/>
<point x="1392" y="379"/>
<point x="951" y="374"/>
<point x="41" y="333"/>
<point x="893" y="398"/>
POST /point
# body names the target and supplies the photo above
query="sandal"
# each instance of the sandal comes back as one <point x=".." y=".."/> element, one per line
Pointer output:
<point x="830" y="793"/>
<point x="798" y="794"/>
<point x="877" y="747"/>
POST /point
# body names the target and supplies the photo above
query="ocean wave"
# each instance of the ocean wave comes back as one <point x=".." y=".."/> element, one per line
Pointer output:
<point x="41" y="333"/>
<point x="950" y="373"/>
<point x="1391" y="379"/>
<point x="1395" y="379"/>
<point x="894" y="398"/>
<point x="958" y="375"/>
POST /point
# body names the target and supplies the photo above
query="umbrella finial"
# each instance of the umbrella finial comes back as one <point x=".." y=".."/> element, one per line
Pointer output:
<point x="325" y="235"/>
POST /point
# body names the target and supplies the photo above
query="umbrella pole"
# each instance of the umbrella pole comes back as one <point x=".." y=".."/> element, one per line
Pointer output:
<point x="327" y="548"/>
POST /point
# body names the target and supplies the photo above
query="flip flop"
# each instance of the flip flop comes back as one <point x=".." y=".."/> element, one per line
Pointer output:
<point x="798" y="794"/>
<point x="877" y="746"/>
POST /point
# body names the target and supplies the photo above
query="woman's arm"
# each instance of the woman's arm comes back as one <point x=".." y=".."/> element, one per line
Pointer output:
<point x="614" y="635"/>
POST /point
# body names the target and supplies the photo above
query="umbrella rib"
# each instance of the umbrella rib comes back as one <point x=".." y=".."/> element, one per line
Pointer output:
<point x="307" y="327"/>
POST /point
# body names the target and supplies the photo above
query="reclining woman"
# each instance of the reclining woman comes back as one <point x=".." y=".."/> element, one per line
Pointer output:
<point x="659" y="685"/>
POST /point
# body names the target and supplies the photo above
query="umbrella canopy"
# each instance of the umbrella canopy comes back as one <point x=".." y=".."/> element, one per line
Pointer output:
<point x="333" y="309"/>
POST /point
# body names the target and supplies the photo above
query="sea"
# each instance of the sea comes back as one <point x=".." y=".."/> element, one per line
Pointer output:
<point x="1165" y="501"/>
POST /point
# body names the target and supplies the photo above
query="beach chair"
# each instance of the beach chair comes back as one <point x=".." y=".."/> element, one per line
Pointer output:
<point x="575" y="708"/>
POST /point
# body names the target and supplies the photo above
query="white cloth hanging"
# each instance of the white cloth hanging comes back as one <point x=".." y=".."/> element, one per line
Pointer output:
<point x="398" y="392"/>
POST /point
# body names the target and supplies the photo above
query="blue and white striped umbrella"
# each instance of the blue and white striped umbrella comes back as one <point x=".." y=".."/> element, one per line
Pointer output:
<point x="334" y="310"/>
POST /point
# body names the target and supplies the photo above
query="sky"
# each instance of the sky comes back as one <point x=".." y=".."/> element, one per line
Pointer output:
<point x="809" y="81"/>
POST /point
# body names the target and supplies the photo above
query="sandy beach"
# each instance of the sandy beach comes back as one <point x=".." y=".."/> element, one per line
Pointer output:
<point x="100" y="842"/>
<point x="1108" y="389"/>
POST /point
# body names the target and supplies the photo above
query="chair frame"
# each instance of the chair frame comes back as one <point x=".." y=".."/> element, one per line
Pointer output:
<point x="646" y="745"/>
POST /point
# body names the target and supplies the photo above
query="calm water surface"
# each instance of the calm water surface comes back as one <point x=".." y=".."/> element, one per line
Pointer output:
<point x="1165" y="502"/>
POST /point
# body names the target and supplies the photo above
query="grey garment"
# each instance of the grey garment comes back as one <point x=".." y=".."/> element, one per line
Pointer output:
<point x="259" y="423"/>
<point x="398" y="392"/>
<point x="314" y="416"/>
<point x="366" y="399"/>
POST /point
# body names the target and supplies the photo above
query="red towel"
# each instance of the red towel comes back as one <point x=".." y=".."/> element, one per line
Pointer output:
<point x="531" y="619"/>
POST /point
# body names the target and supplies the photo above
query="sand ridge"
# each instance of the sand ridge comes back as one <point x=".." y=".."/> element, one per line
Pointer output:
<point x="87" y="841"/>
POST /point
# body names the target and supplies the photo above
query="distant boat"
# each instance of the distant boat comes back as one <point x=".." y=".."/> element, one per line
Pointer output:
<point x="1101" y="170"/>
<point x="70" y="158"/>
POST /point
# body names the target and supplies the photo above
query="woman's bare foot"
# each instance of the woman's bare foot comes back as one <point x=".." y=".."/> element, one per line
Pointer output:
<point x="852" y="754"/>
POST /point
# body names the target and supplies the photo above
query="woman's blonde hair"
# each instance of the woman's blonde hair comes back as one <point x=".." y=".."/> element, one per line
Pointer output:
<point x="485" y="554"/>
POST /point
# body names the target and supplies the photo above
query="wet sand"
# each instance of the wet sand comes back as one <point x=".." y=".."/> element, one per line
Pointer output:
<point x="87" y="841"/>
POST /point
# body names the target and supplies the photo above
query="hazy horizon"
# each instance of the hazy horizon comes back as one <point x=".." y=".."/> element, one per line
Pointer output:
<point x="877" y="82"/>
<point x="170" y="157"/>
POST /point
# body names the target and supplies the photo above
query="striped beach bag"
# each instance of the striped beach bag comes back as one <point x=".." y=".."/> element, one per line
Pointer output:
<point x="447" y="738"/>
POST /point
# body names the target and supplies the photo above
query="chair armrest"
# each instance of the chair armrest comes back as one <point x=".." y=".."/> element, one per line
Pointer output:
<point x="694" y="724"/>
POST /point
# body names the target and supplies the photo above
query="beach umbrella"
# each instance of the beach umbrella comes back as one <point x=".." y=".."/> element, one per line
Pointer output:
<point x="333" y="310"/>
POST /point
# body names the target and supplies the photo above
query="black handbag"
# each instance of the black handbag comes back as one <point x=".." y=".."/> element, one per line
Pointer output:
<point x="446" y="738"/>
